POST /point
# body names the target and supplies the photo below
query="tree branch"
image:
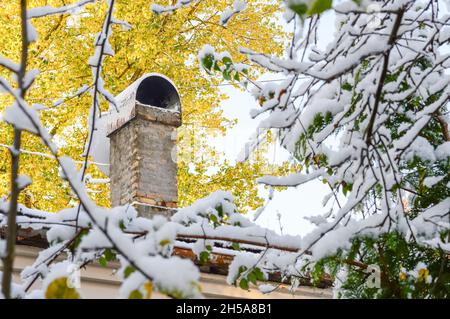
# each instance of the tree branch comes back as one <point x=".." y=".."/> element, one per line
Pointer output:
<point x="444" y="125"/>
<point x="384" y="71"/>
<point x="8" y="260"/>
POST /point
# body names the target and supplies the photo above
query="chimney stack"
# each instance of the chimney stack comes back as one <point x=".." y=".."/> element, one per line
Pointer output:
<point x="143" y="168"/>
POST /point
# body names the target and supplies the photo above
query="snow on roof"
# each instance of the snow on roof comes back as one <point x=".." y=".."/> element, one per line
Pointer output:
<point x="143" y="90"/>
<point x="151" y="89"/>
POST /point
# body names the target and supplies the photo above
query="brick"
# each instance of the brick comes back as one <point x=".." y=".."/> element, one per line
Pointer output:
<point x="142" y="169"/>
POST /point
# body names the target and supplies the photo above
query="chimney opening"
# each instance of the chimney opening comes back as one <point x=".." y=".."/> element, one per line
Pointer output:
<point x="157" y="91"/>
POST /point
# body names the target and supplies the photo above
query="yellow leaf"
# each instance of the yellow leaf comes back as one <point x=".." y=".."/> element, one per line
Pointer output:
<point x="148" y="287"/>
<point x="164" y="242"/>
<point x="135" y="294"/>
<point x="423" y="274"/>
<point x="403" y="276"/>
<point x="138" y="294"/>
<point x="58" y="289"/>
<point x="155" y="44"/>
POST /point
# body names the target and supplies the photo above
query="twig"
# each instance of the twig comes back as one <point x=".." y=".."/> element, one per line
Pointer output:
<point x="8" y="260"/>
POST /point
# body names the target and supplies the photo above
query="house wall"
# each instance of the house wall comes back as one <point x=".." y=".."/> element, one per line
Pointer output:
<point x="99" y="282"/>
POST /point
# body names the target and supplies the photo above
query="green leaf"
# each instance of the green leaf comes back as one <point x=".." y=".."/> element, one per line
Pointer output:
<point x="307" y="161"/>
<point x="243" y="284"/>
<point x="236" y="246"/>
<point x="102" y="261"/>
<point x="135" y="294"/>
<point x="77" y="241"/>
<point x="227" y="61"/>
<point x="220" y="210"/>
<point x="208" y="247"/>
<point x="128" y="271"/>
<point x="204" y="257"/>
<point x="259" y="274"/>
<point x="242" y="269"/>
<point x="109" y="255"/>
<point x="347" y="86"/>
<point x="227" y="75"/>
<point x="207" y="61"/>
<point x="319" y="6"/>
<point x="300" y="8"/>
<point x="213" y="218"/>
<point x="344" y="190"/>
<point x="252" y="278"/>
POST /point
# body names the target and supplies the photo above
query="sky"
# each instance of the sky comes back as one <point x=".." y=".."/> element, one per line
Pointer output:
<point x="295" y="203"/>
<point x="292" y="204"/>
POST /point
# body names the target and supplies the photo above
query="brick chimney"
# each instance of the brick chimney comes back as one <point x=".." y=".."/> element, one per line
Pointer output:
<point x="143" y="169"/>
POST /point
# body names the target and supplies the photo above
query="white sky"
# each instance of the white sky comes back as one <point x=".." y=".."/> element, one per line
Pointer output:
<point x="294" y="203"/>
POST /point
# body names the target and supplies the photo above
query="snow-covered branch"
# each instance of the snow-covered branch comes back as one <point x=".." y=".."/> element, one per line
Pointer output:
<point x="40" y="12"/>
<point x="363" y="113"/>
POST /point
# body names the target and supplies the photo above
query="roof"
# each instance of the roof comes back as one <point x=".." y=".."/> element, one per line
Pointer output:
<point x="217" y="264"/>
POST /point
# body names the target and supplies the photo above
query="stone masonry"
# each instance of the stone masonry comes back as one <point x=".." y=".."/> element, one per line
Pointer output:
<point x="143" y="172"/>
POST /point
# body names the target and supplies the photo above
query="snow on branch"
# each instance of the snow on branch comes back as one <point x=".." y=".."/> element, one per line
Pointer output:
<point x="237" y="7"/>
<point x="102" y="48"/>
<point x="40" y="12"/>
<point x="10" y="65"/>
<point x="292" y="180"/>
<point x="362" y="113"/>
<point x="159" y="9"/>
